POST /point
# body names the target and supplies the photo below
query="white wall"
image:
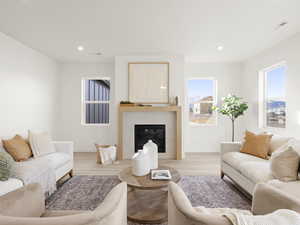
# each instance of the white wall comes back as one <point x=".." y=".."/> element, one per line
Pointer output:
<point x="195" y="139"/>
<point x="70" y="127"/>
<point x="176" y="85"/>
<point x="289" y="51"/>
<point x="228" y="76"/>
<point x="28" y="89"/>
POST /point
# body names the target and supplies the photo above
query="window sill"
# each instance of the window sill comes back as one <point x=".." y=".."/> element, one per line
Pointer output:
<point x="95" y="124"/>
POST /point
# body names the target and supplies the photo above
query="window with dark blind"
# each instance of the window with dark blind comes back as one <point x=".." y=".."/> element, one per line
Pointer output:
<point x="95" y="101"/>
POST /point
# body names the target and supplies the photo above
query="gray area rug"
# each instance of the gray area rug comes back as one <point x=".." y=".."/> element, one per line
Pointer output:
<point x="87" y="192"/>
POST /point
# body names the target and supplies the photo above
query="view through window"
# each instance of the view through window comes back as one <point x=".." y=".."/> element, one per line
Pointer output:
<point x="96" y="96"/>
<point x="201" y="97"/>
<point x="275" y="103"/>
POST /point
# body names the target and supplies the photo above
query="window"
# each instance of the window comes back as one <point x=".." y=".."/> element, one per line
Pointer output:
<point x="95" y="101"/>
<point x="201" y="98"/>
<point x="272" y="94"/>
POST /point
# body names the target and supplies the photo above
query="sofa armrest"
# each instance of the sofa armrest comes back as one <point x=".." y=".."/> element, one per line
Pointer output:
<point x="230" y="147"/>
<point x="267" y="199"/>
<point x="113" y="210"/>
<point x="65" y="147"/>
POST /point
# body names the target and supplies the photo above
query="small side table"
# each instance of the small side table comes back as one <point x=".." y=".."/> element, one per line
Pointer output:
<point x="147" y="198"/>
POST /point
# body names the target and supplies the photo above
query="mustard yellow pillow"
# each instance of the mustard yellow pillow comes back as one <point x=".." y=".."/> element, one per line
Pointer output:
<point x="18" y="148"/>
<point x="256" y="144"/>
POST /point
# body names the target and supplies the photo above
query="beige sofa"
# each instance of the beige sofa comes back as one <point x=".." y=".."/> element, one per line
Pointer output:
<point x="12" y="211"/>
<point x="266" y="199"/>
<point x="247" y="170"/>
<point x="31" y="170"/>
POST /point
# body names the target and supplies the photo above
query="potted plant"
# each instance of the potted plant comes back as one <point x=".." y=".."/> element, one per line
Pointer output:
<point x="233" y="107"/>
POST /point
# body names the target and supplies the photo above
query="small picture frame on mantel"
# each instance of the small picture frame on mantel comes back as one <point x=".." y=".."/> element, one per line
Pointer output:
<point x="148" y="82"/>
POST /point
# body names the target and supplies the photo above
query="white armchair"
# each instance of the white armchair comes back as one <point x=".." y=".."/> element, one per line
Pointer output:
<point x="112" y="211"/>
<point x="266" y="200"/>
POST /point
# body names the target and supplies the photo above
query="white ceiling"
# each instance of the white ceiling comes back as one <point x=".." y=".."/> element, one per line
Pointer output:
<point x="144" y="27"/>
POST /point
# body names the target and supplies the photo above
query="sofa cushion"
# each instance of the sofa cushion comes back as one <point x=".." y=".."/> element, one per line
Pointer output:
<point x="257" y="172"/>
<point x="256" y="144"/>
<point x="18" y="148"/>
<point x="234" y="159"/>
<point x="277" y="142"/>
<point x="57" y="159"/>
<point x="254" y="168"/>
<point x="10" y="185"/>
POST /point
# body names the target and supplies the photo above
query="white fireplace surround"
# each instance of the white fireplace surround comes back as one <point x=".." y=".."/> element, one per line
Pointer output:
<point x="133" y="118"/>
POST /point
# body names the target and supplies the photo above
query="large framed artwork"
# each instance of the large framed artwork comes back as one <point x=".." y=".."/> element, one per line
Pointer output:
<point x="148" y="82"/>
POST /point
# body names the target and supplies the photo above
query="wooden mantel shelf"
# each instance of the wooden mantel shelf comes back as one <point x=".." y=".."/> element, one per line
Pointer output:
<point x="149" y="108"/>
<point x="175" y="109"/>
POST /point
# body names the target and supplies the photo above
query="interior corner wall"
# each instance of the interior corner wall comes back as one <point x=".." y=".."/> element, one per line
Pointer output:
<point x="288" y="51"/>
<point x="28" y="89"/>
<point x="208" y="138"/>
<point x="70" y="127"/>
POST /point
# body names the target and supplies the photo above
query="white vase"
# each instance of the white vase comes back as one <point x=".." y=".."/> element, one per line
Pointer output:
<point x="140" y="163"/>
<point x="152" y="149"/>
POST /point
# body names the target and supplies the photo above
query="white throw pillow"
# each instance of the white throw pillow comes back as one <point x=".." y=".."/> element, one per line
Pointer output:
<point x="41" y="143"/>
<point x="284" y="164"/>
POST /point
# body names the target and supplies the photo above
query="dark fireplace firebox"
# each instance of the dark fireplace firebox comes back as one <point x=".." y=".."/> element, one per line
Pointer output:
<point x="154" y="132"/>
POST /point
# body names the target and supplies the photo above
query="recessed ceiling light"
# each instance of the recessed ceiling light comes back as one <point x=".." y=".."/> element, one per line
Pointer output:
<point x="80" y="48"/>
<point x="220" y="48"/>
<point x="96" y="53"/>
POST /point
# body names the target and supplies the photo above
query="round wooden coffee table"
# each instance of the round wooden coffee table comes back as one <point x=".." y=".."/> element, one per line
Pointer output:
<point x="147" y="198"/>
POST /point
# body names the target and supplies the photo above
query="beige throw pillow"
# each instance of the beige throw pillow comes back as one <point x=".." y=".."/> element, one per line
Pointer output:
<point x="18" y="148"/>
<point x="256" y="144"/>
<point x="285" y="164"/>
<point x="41" y="143"/>
<point x="277" y="142"/>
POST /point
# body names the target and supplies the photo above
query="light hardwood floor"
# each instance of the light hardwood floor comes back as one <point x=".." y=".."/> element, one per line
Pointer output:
<point x="193" y="164"/>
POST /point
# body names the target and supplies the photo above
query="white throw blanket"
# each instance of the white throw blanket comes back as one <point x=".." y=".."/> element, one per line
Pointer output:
<point x="37" y="170"/>
<point x="279" y="217"/>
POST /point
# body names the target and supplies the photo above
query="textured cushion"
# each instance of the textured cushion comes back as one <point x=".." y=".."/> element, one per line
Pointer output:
<point x="10" y="185"/>
<point x="6" y="165"/>
<point x="40" y="143"/>
<point x="285" y="164"/>
<point x="18" y="148"/>
<point x="276" y="142"/>
<point x="257" y="172"/>
<point x="257" y="145"/>
<point x="57" y="159"/>
<point x="254" y="168"/>
<point x="235" y="159"/>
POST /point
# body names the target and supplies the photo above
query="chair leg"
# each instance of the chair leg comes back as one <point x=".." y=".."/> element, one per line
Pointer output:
<point x="71" y="173"/>
<point x="222" y="175"/>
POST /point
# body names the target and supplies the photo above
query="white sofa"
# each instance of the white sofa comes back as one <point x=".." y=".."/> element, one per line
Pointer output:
<point x="247" y="170"/>
<point x="61" y="161"/>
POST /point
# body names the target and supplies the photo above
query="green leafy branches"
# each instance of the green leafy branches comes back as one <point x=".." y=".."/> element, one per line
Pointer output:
<point x="232" y="106"/>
